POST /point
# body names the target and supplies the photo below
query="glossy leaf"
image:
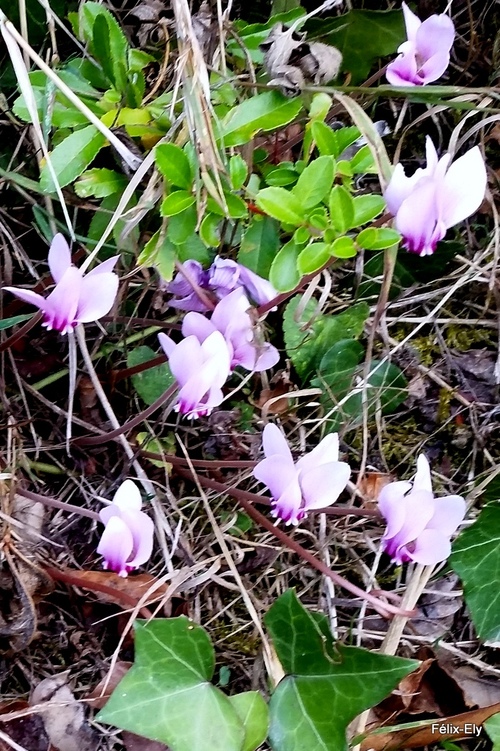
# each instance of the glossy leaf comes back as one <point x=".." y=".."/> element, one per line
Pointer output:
<point x="366" y="208"/>
<point x="313" y="257"/>
<point x="265" y="112"/>
<point x="238" y="171"/>
<point x="341" y="206"/>
<point x="492" y="727"/>
<point x="281" y="204"/>
<point x="176" y="202"/>
<point x="150" y="384"/>
<point x="315" y="182"/>
<point x="167" y="695"/>
<point x="72" y="156"/>
<point x="476" y="559"/>
<point x="174" y="165"/>
<point x="284" y="275"/>
<point x="254" y="715"/>
<point x="327" y="684"/>
<point x="343" y="247"/>
<point x="182" y="225"/>
<point x="100" y="183"/>
<point x="378" y="238"/>
<point x="325" y="139"/>
<point x="259" y="245"/>
<point x="209" y="230"/>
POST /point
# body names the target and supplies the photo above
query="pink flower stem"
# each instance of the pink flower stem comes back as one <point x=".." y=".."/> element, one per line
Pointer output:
<point x="54" y="503"/>
<point x="384" y="608"/>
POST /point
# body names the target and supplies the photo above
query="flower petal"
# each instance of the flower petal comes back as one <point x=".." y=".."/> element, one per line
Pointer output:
<point x="267" y="357"/>
<point x="104" y="267"/>
<point x="62" y="303"/>
<point x="116" y="545"/>
<point x="232" y="311"/>
<point x="322" y="485"/>
<point x="275" y="443"/>
<point x="403" y="71"/>
<point x="198" y="325"/>
<point x="435" y="37"/>
<point x="326" y="451"/>
<point x="431" y="547"/>
<point x="59" y="257"/>
<point x="464" y="187"/>
<point x="167" y="344"/>
<point x="128" y="496"/>
<point x="280" y="476"/>
<point x="97" y="296"/>
<point x="223" y="276"/>
<point x="448" y="513"/>
<point x="400" y="187"/>
<point x="391" y="504"/>
<point x="412" y="22"/>
<point x="419" y="508"/>
<point x="33" y="298"/>
<point x="419" y="220"/>
<point x="184" y="359"/>
<point x="260" y="290"/>
<point x="422" y="479"/>
<point x="142" y="529"/>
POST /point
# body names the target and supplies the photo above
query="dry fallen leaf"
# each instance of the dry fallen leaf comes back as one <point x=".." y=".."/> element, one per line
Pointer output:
<point x="64" y="716"/>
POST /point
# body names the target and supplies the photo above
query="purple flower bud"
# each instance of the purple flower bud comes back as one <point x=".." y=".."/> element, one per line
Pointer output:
<point x="76" y="298"/>
<point x="426" y="55"/>
<point x="127" y="540"/>
<point x="419" y="526"/>
<point x="200" y="369"/>
<point x="434" y="199"/>
<point x="315" y="481"/>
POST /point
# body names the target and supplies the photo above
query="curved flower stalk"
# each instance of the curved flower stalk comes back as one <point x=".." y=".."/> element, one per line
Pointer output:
<point x="200" y="369"/>
<point x="232" y="318"/>
<point x="222" y="278"/>
<point x="425" y="55"/>
<point x="127" y="540"/>
<point x="419" y="526"/>
<point x="315" y="481"/>
<point x="435" y="198"/>
<point x="77" y="297"/>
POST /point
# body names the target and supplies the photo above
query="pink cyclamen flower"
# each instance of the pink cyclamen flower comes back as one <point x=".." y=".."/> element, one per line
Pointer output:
<point x="127" y="540"/>
<point x="232" y="318"/>
<point x="200" y="369"/>
<point x="222" y="278"/>
<point x="425" y="56"/>
<point x="76" y="298"/>
<point x="419" y="526"/>
<point x="315" y="481"/>
<point x="434" y="199"/>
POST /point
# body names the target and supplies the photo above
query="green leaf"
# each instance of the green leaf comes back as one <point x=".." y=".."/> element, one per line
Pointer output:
<point x="281" y="204"/>
<point x="338" y="366"/>
<point x="363" y="36"/>
<point x="313" y="257"/>
<point x="176" y="202"/>
<point x="152" y="383"/>
<point x="174" y="165"/>
<point x="236" y="206"/>
<point x="254" y="715"/>
<point x="209" y="230"/>
<point x="308" y="337"/>
<point x="320" y="106"/>
<point x="100" y="183"/>
<point x="366" y="208"/>
<point x="167" y="696"/>
<point x="238" y="171"/>
<point x="476" y="559"/>
<point x="363" y="161"/>
<point x="327" y="684"/>
<point x="284" y="274"/>
<point x="315" y="182"/>
<point x="259" y="245"/>
<point x="341" y="205"/>
<point x="262" y="112"/>
<point x="282" y="176"/>
<point x="492" y="727"/>
<point x="182" y="225"/>
<point x="325" y="139"/>
<point x="72" y="156"/>
<point x="6" y="323"/>
<point x="343" y="247"/>
<point x="378" y="238"/>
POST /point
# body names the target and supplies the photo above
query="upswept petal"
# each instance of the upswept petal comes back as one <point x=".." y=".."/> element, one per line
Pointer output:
<point x="400" y="187"/>
<point x="180" y="286"/>
<point x="391" y="504"/>
<point x="59" y="257"/>
<point x="435" y="37"/>
<point x="215" y="348"/>
<point x="434" y="67"/>
<point x="325" y="452"/>
<point x="431" y="157"/>
<point x="464" y="187"/>
<point x="142" y="529"/>
<point x="448" y="513"/>
<point x="128" y="497"/>
<point x="260" y="290"/>
<point x="419" y="509"/>
<point x="116" y="545"/>
<point x="288" y="507"/>
<point x="274" y="443"/>
<point x="431" y="547"/>
<point x="403" y="71"/>
<point x="223" y="276"/>
<point x="105" y="267"/>
<point x="185" y="359"/>
<point x="196" y="394"/>
<point x="412" y="22"/>
<point x="167" y="344"/>
<point x="62" y="303"/>
<point x="198" y="325"/>
<point x="232" y="312"/>
<point x="418" y="219"/>
<point x="33" y="298"/>
<point x="422" y="479"/>
<point x="279" y="475"/>
<point x="267" y="357"/>
<point x="97" y="296"/>
<point x="322" y="485"/>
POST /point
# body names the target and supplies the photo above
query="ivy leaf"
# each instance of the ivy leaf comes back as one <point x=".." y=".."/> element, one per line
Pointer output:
<point x="152" y="383"/>
<point x="254" y="714"/>
<point x="327" y="684"/>
<point x="167" y="695"/>
<point x="309" y="337"/>
<point x="492" y="727"/>
<point x="72" y="156"/>
<point x="476" y="559"/>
